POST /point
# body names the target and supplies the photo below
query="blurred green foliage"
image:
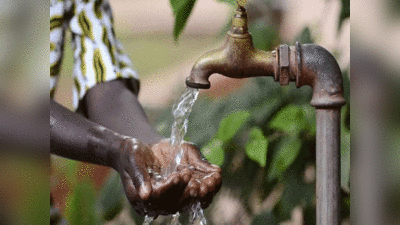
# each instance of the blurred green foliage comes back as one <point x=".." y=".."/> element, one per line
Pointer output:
<point x="81" y="204"/>
<point x="286" y="153"/>
<point x="111" y="199"/>
<point x="257" y="146"/>
<point x="214" y="152"/>
<point x="231" y="124"/>
<point x="182" y="10"/>
<point x="290" y="120"/>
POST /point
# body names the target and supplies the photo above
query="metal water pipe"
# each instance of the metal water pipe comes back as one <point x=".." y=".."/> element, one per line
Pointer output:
<point x="306" y="64"/>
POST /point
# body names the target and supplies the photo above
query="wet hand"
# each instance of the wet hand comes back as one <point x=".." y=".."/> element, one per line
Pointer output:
<point x="204" y="179"/>
<point x="141" y="168"/>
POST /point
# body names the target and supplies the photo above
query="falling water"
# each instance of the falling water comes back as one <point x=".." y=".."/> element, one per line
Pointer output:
<point x="181" y="112"/>
<point x="196" y="213"/>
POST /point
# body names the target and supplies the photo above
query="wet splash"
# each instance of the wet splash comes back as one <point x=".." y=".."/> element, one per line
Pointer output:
<point x="197" y="214"/>
<point x="175" y="219"/>
<point x="147" y="220"/>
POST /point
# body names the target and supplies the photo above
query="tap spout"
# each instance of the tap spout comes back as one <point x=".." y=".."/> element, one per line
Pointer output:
<point x="237" y="58"/>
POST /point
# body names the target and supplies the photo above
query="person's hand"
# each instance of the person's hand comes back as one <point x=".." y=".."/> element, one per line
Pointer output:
<point x="152" y="193"/>
<point x="205" y="178"/>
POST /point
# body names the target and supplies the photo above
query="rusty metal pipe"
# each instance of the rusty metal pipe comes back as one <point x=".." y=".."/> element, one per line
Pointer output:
<point x="328" y="166"/>
<point x="315" y="66"/>
<point x="306" y="64"/>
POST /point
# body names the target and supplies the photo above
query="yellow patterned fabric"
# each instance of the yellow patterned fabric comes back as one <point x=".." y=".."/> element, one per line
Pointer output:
<point x="98" y="56"/>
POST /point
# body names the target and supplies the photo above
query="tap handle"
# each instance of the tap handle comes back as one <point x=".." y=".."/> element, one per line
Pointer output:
<point x="241" y="2"/>
<point x="239" y="22"/>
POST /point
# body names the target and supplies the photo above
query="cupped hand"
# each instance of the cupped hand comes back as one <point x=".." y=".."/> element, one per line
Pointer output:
<point x="151" y="191"/>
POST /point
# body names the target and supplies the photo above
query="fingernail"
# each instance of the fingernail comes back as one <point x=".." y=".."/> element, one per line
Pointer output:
<point x="192" y="185"/>
<point x="176" y="180"/>
<point x="203" y="190"/>
<point x="209" y="182"/>
<point x="145" y="192"/>
<point x="193" y="193"/>
<point x="157" y="176"/>
<point x="186" y="177"/>
<point x="180" y="167"/>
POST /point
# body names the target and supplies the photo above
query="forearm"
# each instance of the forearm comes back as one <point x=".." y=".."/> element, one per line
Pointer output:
<point x="114" y="105"/>
<point x="75" y="137"/>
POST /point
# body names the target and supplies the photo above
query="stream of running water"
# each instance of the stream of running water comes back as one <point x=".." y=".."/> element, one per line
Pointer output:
<point x="181" y="112"/>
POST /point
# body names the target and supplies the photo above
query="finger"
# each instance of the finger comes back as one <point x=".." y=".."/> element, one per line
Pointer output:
<point x="189" y="194"/>
<point x="131" y="193"/>
<point x="200" y="162"/>
<point x="136" y="168"/>
<point x="203" y="189"/>
<point x="217" y="182"/>
<point x="194" y="186"/>
<point x="206" y="167"/>
<point x="188" y="190"/>
<point x="129" y="188"/>
<point x="161" y="186"/>
<point x="210" y="185"/>
<point x="185" y="175"/>
<point x="213" y="182"/>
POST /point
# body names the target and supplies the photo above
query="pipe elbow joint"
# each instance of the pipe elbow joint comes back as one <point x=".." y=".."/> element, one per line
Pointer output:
<point x="317" y="68"/>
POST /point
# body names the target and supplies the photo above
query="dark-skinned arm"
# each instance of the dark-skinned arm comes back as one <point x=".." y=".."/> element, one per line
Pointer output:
<point x="113" y="112"/>
<point x="114" y="105"/>
<point x="75" y="137"/>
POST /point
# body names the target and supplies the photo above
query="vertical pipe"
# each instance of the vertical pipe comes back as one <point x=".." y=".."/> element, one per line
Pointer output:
<point x="328" y="166"/>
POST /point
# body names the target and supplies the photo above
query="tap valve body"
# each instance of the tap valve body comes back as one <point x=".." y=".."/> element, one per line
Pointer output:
<point x="306" y="64"/>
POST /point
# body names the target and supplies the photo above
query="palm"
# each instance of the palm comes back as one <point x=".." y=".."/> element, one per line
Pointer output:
<point x="153" y="192"/>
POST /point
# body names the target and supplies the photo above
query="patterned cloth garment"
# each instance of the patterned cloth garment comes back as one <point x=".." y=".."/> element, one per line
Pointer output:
<point x="98" y="55"/>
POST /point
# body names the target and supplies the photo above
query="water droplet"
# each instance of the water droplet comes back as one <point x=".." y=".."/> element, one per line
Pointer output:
<point x="196" y="213"/>
<point x="175" y="219"/>
<point x="147" y="220"/>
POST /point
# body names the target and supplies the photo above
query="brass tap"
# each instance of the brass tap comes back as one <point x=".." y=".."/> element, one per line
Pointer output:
<point x="307" y="64"/>
<point x="237" y="58"/>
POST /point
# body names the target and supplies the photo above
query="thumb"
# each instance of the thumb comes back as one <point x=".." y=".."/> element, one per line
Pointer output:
<point x="137" y="169"/>
<point x="200" y="162"/>
<point x="145" y="190"/>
